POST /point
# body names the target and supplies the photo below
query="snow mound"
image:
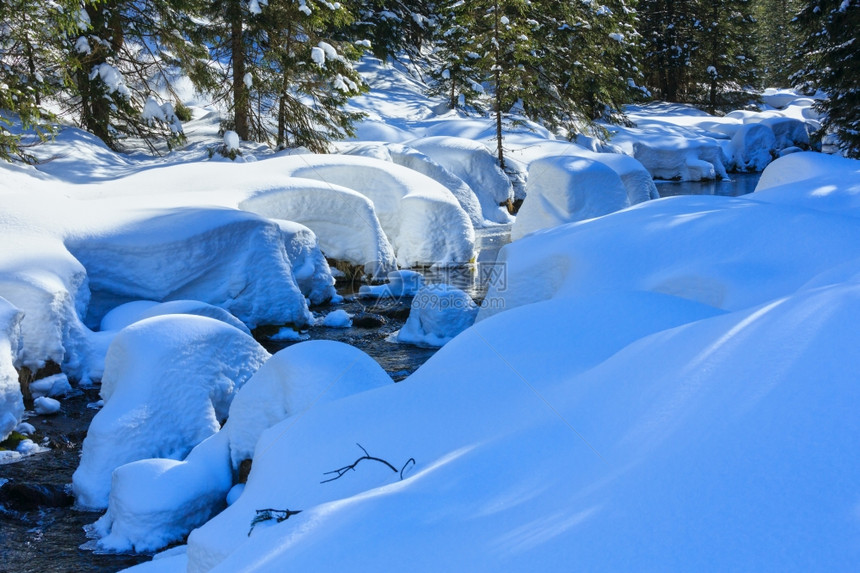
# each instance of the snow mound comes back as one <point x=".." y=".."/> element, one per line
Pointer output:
<point x="788" y="132"/>
<point x="167" y="385"/>
<point x="129" y="313"/>
<point x="472" y="162"/>
<point x="400" y="284"/>
<point x="753" y="147"/>
<point x="688" y="157"/>
<point x="11" y="401"/>
<point x="343" y="220"/>
<point x="158" y="501"/>
<point x="417" y="161"/>
<point x="438" y="313"/>
<point x="566" y="189"/>
<point x="292" y="381"/>
<point x="826" y="183"/>
<point x="765" y="251"/>
<point x="421" y="218"/>
<point x="309" y="266"/>
<point x="225" y="257"/>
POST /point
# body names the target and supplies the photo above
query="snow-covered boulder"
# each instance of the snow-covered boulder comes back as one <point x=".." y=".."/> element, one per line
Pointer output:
<point x="295" y="379"/>
<point x="167" y="386"/>
<point x="439" y="312"/>
<point x="11" y="401"/>
<point x="129" y="313"/>
<point x="421" y="218"/>
<point x="566" y="189"/>
<point x="309" y="266"/>
<point x="41" y="278"/>
<point x="788" y="132"/>
<point x="400" y="284"/>
<point x="666" y="156"/>
<point x="417" y="161"/>
<point x="158" y="501"/>
<point x="225" y="257"/>
<point x="344" y="221"/>
<point x="472" y="162"/>
<point x="753" y="146"/>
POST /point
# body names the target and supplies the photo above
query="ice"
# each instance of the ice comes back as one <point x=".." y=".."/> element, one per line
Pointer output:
<point x="167" y="386"/>
<point x="567" y="189"/>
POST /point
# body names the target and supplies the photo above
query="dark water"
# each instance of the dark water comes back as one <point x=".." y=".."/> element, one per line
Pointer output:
<point x="48" y="539"/>
<point x="738" y="184"/>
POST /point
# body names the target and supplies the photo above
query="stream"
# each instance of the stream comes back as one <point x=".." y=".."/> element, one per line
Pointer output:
<point x="46" y="536"/>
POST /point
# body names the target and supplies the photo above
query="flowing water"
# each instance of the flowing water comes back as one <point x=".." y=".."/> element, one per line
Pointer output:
<point x="48" y="539"/>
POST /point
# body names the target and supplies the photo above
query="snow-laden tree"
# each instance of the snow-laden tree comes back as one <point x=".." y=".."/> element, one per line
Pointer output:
<point x="121" y="54"/>
<point x="829" y="60"/>
<point x="723" y="67"/>
<point x="31" y="67"/>
<point x="668" y="46"/>
<point x="776" y="40"/>
<point x="393" y="27"/>
<point x="285" y="76"/>
<point x="452" y="70"/>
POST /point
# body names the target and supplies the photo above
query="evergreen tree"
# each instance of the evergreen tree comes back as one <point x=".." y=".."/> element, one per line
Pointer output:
<point x="453" y="59"/>
<point x="30" y="67"/>
<point x="724" y="64"/>
<point x="391" y="26"/>
<point x="668" y="46"/>
<point x="829" y="60"/>
<point x="777" y="39"/>
<point x="286" y="77"/>
<point x="137" y="39"/>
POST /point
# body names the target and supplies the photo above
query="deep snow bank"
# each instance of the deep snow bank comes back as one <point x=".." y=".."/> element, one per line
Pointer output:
<point x="11" y="402"/>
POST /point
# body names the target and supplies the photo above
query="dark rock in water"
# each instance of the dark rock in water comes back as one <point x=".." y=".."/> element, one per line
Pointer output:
<point x="367" y="320"/>
<point x="27" y="497"/>
<point x="396" y="311"/>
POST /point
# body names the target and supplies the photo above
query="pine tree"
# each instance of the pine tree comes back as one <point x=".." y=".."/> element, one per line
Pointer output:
<point x="453" y="59"/>
<point x="829" y="60"/>
<point x="286" y="76"/>
<point x="777" y="39"/>
<point x="30" y="68"/>
<point x="668" y="46"/>
<point x="122" y="50"/>
<point x="724" y="64"/>
<point x="392" y="27"/>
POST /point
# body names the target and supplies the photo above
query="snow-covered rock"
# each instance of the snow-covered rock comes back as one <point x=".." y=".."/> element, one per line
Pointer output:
<point x="472" y="162"/>
<point x="566" y="189"/>
<point x="224" y="257"/>
<point x="46" y="406"/>
<point x="127" y="314"/>
<point x="157" y="501"/>
<point x="11" y="401"/>
<point x="50" y="386"/>
<point x="765" y="251"/>
<point x="788" y="132"/>
<point x="295" y="379"/>
<point x="421" y="218"/>
<point x="344" y="221"/>
<point x="688" y="157"/>
<point x="753" y="146"/>
<point x="417" y="161"/>
<point x="439" y="312"/>
<point x="400" y="284"/>
<point x="167" y="386"/>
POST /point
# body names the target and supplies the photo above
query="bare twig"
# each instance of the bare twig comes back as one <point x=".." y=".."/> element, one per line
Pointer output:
<point x="267" y="514"/>
<point x="341" y="471"/>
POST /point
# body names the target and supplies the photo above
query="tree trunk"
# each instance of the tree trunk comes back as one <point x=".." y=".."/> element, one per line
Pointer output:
<point x="497" y="75"/>
<point x="237" y="54"/>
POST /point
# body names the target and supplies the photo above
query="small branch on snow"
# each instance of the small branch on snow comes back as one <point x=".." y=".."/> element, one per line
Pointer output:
<point x="267" y="514"/>
<point x="341" y="471"/>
